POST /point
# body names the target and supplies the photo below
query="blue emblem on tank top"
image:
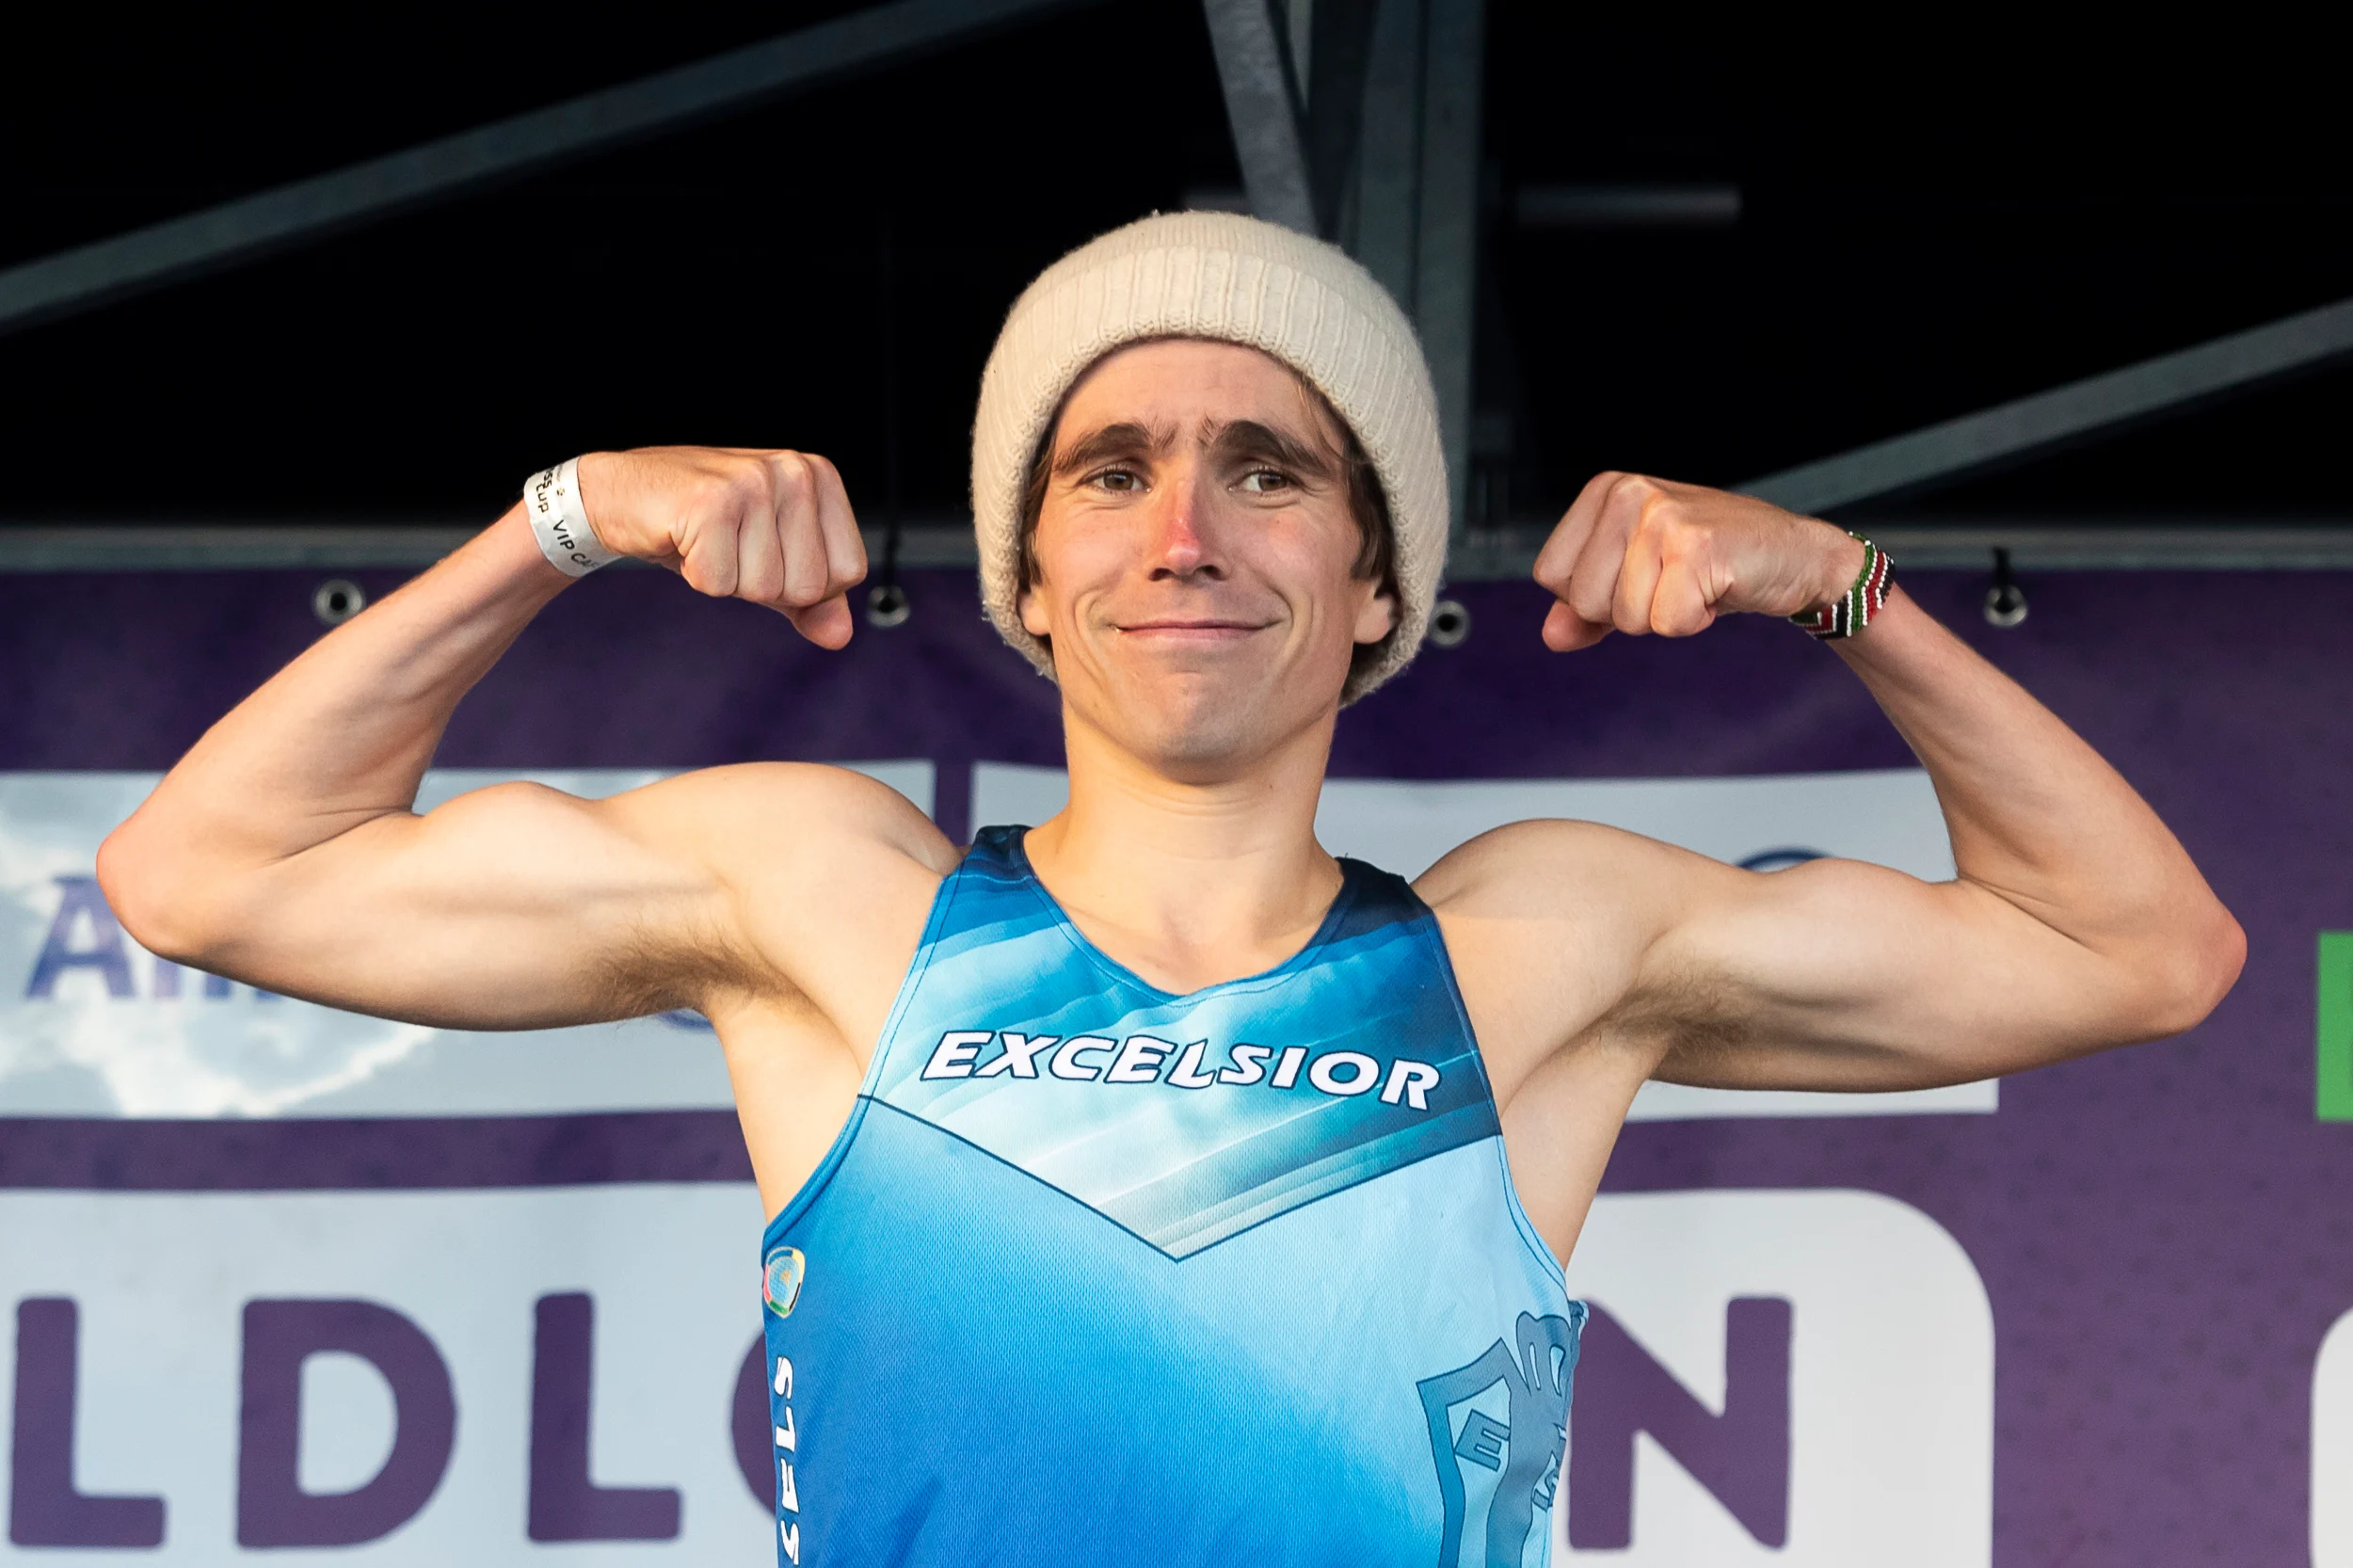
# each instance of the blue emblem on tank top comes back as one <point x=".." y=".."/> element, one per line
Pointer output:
<point x="1506" y="1414"/>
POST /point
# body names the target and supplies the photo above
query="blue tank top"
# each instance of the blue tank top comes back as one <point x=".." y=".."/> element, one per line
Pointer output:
<point x="1099" y="1274"/>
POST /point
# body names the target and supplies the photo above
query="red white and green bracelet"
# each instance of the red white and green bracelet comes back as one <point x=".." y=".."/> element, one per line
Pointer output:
<point x="1851" y="611"/>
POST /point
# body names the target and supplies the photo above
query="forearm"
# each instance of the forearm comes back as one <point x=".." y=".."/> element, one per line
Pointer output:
<point x="2036" y="818"/>
<point x="342" y="736"/>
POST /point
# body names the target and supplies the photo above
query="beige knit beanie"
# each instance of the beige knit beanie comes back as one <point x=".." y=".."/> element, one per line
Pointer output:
<point x="1216" y="274"/>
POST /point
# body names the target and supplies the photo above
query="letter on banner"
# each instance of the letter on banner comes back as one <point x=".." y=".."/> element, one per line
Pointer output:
<point x="273" y="1510"/>
<point x="747" y="1422"/>
<point x="1742" y="1456"/>
<point x="565" y="1505"/>
<point x="45" y="1509"/>
<point x="79" y="904"/>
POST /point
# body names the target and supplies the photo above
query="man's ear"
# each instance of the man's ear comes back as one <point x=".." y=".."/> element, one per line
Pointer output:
<point x="1032" y="613"/>
<point x="1378" y="617"/>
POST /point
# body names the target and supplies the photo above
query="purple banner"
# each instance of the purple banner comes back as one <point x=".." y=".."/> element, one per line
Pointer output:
<point x="2161" y="1231"/>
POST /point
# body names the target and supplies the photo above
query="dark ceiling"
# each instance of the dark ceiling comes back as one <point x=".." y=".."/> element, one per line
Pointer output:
<point x="1928" y="224"/>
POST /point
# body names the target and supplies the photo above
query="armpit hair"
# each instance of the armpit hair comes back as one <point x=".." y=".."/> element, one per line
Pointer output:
<point x="1682" y="1015"/>
<point x="660" y="971"/>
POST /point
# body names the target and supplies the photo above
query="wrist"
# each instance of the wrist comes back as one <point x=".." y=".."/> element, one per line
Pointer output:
<point x="559" y="520"/>
<point x="1840" y="564"/>
<point x="509" y="551"/>
<point x="1849" y="608"/>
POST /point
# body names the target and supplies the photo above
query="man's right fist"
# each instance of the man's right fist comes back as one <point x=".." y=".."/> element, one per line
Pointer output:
<point x="772" y="527"/>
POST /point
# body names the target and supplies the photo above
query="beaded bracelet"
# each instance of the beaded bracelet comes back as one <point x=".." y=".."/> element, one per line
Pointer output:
<point x="1851" y="611"/>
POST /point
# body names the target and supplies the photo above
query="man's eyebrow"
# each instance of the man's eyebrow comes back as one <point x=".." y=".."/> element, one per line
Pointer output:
<point x="1125" y="439"/>
<point x="1246" y="439"/>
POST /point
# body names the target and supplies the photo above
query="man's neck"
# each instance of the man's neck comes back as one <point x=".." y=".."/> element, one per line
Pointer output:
<point x="1190" y="883"/>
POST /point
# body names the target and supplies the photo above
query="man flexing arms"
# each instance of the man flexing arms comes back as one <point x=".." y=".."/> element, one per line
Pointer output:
<point x="1150" y="1184"/>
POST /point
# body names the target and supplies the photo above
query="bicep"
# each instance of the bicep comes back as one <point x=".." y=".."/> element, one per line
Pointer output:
<point x="1840" y="975"/>
<point x="509" y="908"/>
<point x="1575" y="938"/>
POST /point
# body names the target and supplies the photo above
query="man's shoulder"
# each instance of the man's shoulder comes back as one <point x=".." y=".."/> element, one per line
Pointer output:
<point x="755" y="812"/>
<point x="1499" y="870"/>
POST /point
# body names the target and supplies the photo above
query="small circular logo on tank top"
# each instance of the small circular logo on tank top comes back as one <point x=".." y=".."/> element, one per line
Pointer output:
<point x="780" y="1279"/>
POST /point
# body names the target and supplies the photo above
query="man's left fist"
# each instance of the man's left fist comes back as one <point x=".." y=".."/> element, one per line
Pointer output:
<point x="1639" y="554"/>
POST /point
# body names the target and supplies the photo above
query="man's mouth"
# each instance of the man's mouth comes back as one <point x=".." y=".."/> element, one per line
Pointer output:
<point x="1182" y="628"/>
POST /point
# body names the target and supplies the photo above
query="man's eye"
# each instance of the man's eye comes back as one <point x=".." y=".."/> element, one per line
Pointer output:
<point x="1265" y="481"/>
<point x="1118" y="479"/>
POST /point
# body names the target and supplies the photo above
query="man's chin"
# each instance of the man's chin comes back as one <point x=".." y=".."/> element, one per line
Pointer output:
<point x="1205" y="721"/>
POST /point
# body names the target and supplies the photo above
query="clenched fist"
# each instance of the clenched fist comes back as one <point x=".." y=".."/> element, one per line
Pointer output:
<point x="772" y="527"/>
<point x="1639" y="554"/>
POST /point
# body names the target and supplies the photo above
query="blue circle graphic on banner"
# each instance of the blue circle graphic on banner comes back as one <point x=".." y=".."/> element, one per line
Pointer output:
<point x="781" y="1280"/>
<point x="1780" y="860"/>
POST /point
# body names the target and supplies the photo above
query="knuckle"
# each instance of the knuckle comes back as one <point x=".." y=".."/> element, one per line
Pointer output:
<point x="748" y="487"/>
<point x="712" y="493"/>
<point x="794" y="482"/>
<point x="1641" y="501"/>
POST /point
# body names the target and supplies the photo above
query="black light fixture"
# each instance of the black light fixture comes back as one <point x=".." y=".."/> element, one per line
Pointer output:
<point x="2005" y="601"/>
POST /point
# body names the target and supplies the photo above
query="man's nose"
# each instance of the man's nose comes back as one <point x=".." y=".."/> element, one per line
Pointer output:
<point x="1182" y="535"/>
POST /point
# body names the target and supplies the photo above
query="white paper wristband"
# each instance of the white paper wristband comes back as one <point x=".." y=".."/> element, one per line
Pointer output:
<point x="560" y="523"/>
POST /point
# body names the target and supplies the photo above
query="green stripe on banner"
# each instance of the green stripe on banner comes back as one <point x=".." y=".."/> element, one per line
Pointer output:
<point x="2335" y="1016"/>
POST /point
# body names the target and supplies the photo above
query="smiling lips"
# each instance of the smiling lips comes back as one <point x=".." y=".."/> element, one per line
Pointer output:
<point x="1191" y="629"/>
